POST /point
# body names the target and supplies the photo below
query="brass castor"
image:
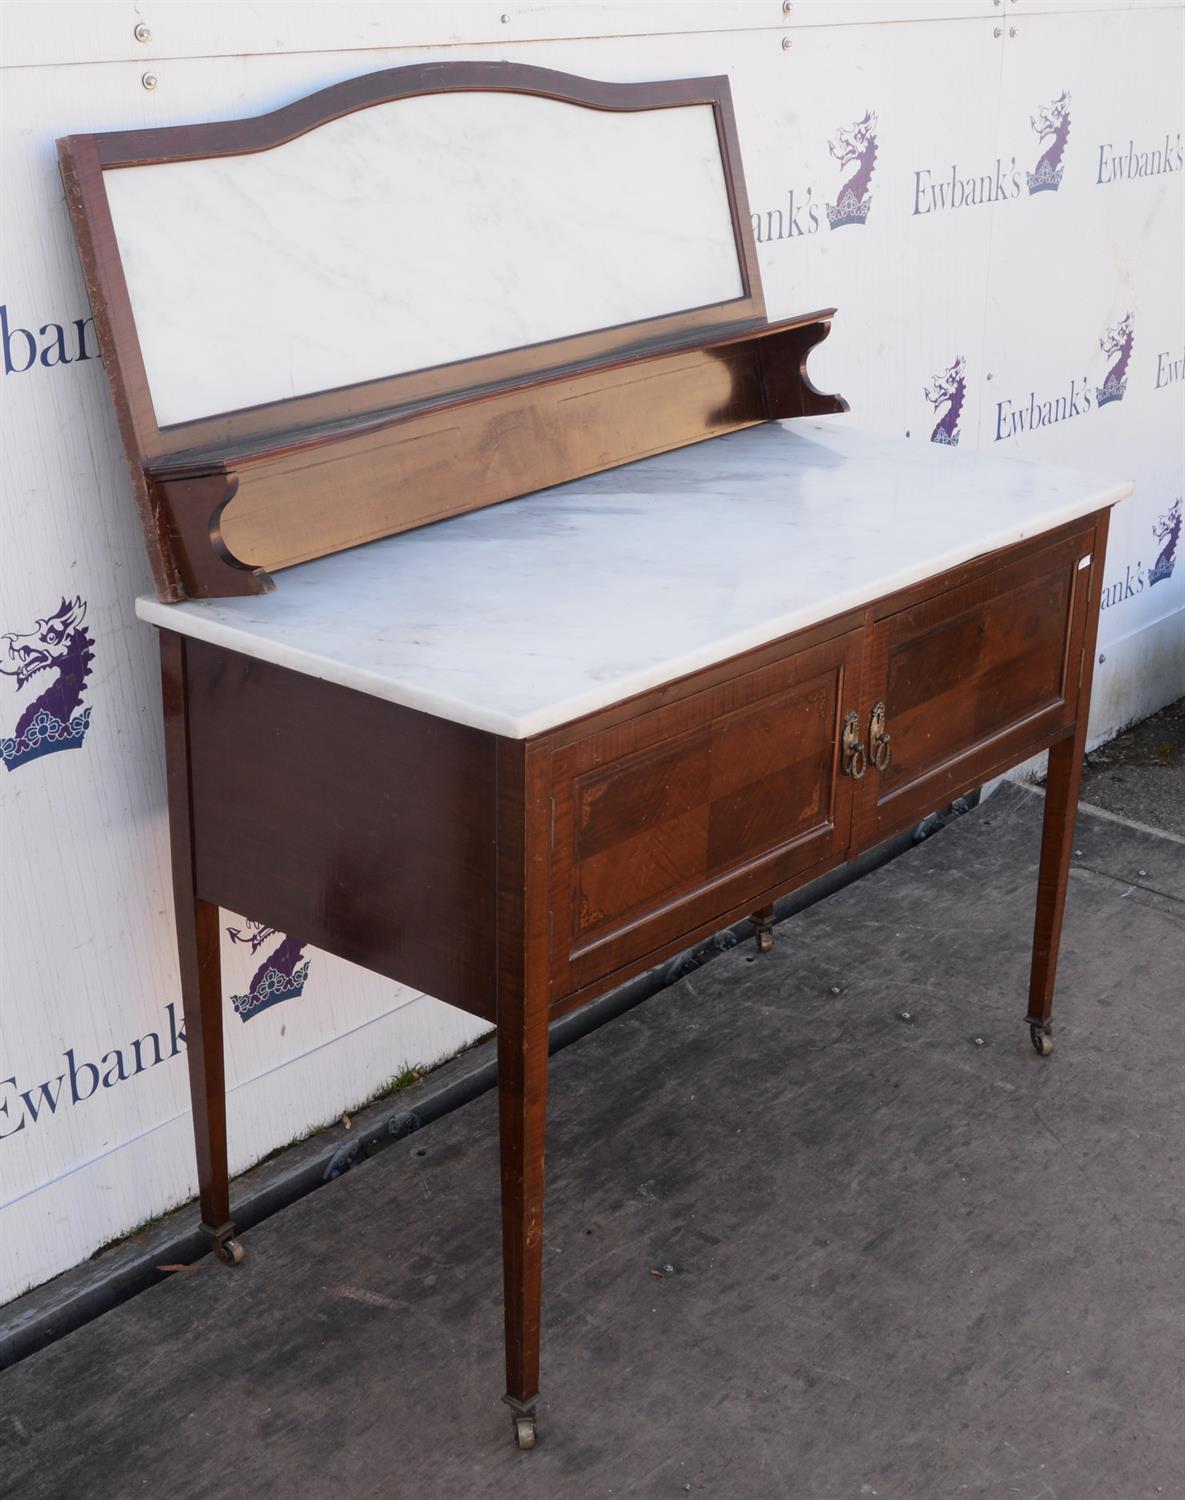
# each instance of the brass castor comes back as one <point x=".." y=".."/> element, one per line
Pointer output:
<point x="524" y="1432"/>
<point x="230" y="1252"/>
<point x="765" y="939"/>
<point x="1042" y="1040"/>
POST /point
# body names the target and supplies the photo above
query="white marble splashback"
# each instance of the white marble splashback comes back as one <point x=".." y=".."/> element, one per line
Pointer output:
<point x="413" y="234"/>
<point x="528" y="614"/>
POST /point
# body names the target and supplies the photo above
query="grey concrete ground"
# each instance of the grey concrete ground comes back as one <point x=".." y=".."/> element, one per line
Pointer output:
<point x="909" y="1258"/>
<point x="1141" y="773"/>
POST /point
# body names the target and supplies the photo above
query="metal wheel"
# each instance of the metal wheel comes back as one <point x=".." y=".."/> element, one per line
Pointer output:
<point x="1042" y="1041"/>
<point x="765" y="940"/>
<point x="230" y="1252"/>
<point x="524" y="1432"/>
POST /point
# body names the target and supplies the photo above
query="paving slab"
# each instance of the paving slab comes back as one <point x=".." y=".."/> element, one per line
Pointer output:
<point x="796" y="1245"/>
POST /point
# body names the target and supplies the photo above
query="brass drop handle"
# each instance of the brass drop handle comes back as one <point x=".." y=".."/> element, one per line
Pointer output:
<point x="879" y="749"/>
<point x="854" y="759"/>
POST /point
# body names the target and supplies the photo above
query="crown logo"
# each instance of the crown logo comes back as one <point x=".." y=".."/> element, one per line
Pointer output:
<point x="1045" y="179"/>
<point x="44" y="735"/>
<point x="1111" y="390"/>
<point x="269" y="988"/>
<point x="281" y="975"/>
<point x="849" y="210"/>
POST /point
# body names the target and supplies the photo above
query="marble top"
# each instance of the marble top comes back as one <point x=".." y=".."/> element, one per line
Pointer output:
<point x="525" y="615"/>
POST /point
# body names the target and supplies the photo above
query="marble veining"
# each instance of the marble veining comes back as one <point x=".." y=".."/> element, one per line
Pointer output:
<point x="409" y="235"/>
<point x="528" y="614"/>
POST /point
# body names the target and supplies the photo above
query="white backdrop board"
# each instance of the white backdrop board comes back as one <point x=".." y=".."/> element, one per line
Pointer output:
<point x="998" y="218"/>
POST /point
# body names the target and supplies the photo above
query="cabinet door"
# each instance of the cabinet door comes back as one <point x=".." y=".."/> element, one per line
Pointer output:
<point x="972" y="680"/>
<point x="678" y="816"/>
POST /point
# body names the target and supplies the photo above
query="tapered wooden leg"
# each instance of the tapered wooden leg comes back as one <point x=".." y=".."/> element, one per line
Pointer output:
<point x="524" y="839"/>
<point x="1062" y="784"/>
<point x="1057" y="849"/>
<point x="201" y="969"/>
<point x="201" y="994"/>
<point x="522" y="1106"/>
<point x="763" y="928"/>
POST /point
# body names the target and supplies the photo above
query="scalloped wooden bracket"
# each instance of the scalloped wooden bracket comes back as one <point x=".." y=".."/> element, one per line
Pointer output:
<point x="789" y="391"/>
<point x="192" y="509"/>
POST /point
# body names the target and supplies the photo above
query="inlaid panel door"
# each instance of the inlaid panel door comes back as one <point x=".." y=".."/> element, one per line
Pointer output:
<point x="664" y="821"/>
<point x="970" y="679"/>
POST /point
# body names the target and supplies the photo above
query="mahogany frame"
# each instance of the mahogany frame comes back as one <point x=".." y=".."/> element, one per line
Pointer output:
<point x="483" y="820"/>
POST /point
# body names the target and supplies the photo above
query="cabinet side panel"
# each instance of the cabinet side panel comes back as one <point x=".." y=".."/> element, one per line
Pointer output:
<point x="364" y="827"/>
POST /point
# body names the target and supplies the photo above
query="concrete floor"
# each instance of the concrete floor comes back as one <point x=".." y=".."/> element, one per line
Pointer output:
<point x="1141" y="773"/>
<point x="903" y="1258"/>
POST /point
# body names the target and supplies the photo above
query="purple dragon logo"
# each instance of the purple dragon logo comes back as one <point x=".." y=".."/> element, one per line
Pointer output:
<point x="1052" y="127"/>
<point x="1116" y="344"/>
<point x="56" y="720"/>
<point x="855" y="148"/>
<point x="1166" y="529"/>
<point x="281" y="975"/>
<point x="948" y="389"/>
